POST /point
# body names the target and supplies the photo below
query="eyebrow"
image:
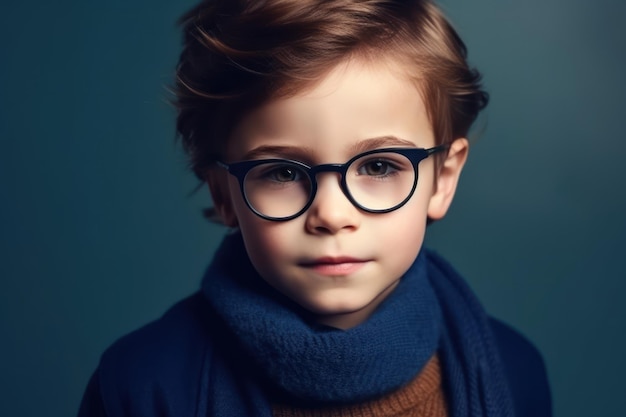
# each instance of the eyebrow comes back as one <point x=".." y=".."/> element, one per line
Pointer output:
<point x="288" y="152"/>
<point x="301" y="153"/>
<point x="380" y="142"/>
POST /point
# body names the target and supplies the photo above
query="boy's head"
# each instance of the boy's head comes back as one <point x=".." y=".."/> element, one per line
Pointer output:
<point x="240" y="53"/>
<point x="318" y="82"/>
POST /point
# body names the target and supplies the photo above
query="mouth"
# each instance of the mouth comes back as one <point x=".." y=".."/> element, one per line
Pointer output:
<point x="335" y="266"/>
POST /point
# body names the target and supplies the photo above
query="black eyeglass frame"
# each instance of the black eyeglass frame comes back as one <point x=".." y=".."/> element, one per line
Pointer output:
<point x="240" y="170"/>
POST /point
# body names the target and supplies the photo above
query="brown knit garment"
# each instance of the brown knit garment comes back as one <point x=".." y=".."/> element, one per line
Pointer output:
<point x="422" y="397"/>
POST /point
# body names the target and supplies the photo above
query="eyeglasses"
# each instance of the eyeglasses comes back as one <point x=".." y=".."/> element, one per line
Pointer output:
<point x="376" y="181"/>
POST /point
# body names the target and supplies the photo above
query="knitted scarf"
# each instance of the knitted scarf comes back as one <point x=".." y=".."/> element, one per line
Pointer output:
<point x="274" y="350"/>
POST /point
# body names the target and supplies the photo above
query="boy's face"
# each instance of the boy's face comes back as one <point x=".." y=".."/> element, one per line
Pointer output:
<point x="335" y="260"/>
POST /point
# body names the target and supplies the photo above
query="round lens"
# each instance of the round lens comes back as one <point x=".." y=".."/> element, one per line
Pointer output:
<point x="380" y="181"/>
<point x="277" y="189"/>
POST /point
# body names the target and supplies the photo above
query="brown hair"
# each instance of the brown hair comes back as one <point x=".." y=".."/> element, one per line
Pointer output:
<point x="237" y="54"/>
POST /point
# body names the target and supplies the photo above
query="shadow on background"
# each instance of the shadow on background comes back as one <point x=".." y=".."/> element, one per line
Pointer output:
<point x="98" y="234"/>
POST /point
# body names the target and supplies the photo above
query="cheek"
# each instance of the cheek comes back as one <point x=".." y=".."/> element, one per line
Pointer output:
<point x="267" y="243"/>
<point x="406" y="235"/>
<point x="257" y="240"/>
<point x="406" y="228"/>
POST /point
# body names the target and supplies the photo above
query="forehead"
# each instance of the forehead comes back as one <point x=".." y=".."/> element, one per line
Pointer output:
<point x="355" y="101"/>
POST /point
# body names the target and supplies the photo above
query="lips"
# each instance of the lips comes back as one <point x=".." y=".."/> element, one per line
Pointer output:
<point x="335" y="266"/>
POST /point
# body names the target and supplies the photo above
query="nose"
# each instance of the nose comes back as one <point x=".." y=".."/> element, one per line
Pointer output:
<point x="331" y="212"/>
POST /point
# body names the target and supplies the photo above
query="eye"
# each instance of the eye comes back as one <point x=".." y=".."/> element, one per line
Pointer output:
<point x="377" y="168"/>
<point x="284" y="174"/>
<point x="281" y="173"/>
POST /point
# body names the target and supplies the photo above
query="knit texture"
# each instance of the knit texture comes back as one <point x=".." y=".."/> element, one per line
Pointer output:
<point x="422" y="397"/>
<point x="285" y="356"/>
<point x="474" y="374"/>
<point x="310" y="363"/>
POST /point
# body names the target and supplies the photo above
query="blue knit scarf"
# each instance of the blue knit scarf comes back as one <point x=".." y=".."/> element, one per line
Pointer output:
<point x="304" y="363"/>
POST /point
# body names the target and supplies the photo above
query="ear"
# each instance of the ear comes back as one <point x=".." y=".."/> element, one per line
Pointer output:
<point x="217" y="180"/>
<point x="447" y="179"/>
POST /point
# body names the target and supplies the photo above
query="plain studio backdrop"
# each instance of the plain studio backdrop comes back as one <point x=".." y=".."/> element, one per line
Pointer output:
<point x="99" y="233"/>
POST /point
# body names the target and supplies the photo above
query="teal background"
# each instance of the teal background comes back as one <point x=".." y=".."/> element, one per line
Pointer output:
<point x="99" y="233"/>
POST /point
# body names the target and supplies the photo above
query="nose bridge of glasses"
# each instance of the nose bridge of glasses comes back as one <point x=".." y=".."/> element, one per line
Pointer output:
<point x="330" y="168"/>
<point x="333" y="168"/>
<point x="339" y="168"/>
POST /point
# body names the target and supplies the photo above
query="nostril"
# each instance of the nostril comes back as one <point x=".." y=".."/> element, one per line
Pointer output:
<point x="332" y="213"/>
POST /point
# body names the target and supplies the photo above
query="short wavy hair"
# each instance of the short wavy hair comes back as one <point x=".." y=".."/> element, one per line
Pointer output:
<point x="238" y="54"/>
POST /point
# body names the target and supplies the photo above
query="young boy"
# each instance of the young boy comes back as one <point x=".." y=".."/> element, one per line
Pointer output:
<point x="330" y="132"/>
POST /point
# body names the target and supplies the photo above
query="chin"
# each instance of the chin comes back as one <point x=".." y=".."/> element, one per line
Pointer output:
<point x="337" y="310"/>
<point x="336" y="303"/>
<point x="340" y="313"/>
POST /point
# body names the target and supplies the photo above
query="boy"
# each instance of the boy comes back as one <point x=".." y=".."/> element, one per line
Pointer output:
<point x="330" y="133"/>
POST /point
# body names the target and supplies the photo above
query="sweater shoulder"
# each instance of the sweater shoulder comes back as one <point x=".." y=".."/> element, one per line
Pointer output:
<point x="525" y="370"/>
<point x="158" y="369"/>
